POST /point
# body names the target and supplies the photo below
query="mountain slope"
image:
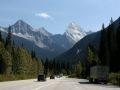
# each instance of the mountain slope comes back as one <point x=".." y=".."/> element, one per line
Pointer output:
<point x="22" y="29"/>
<point x="78" y="51"/>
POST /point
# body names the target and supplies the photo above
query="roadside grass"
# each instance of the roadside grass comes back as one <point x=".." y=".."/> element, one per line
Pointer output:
<point x="15" y="77"/>
<point x="114" y="78"/>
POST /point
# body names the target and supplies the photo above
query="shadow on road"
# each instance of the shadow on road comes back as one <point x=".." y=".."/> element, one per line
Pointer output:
<point x="99" y="84"/>
<point x="38" y="81"/>
<point x="35" y="81"/>
<point x="84" y="82"/>
<point x="92" y="83"/>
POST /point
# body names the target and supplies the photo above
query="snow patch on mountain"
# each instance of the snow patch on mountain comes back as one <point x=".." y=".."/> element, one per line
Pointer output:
<point x="24" y="30"/>
<point x="43" y="31"/>
<point x="74" y="32"/>
<point x="43" y="39"/>
<point x="3" y="29"/>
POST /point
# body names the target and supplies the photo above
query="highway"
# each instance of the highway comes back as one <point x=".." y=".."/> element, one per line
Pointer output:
<point x="57" y="84"/>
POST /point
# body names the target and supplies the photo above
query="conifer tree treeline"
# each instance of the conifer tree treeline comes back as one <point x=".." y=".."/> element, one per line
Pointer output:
<point x="110" y="46"/>
<point x="56" y="67"/>
<point x="16" y="60"/>
<point x="109" y="49"/>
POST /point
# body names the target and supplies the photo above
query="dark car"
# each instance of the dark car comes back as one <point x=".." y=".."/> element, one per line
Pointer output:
<point x="58" y="76"/>
<point x="52" y="77"/>
<point x="41" y="78"/>
<point x="61" y="75"/>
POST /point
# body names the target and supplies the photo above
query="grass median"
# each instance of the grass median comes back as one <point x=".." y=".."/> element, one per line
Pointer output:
<point x="15" y="77"/>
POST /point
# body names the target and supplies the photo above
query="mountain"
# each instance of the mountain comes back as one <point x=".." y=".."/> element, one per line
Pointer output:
<point x="79" y="51"/>
<point x="74" y="33"/>
<point x="38" y="36"/>
<point x="89" y="32"/>
<point x="44" y="43"/>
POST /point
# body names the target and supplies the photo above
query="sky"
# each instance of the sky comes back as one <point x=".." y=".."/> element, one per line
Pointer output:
<point x="55" y="15"/>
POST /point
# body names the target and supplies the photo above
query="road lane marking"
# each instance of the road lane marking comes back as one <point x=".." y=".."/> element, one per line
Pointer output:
<point x="43" y="86"/>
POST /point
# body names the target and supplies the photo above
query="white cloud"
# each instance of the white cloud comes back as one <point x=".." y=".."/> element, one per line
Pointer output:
<point x="46" y="16"/>
<point x="43" y="15"/>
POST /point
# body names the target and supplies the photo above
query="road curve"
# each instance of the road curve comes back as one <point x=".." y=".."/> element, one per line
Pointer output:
<point x="57" y="84"/>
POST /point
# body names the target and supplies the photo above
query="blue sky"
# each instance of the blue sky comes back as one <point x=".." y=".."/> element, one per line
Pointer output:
<point x="55" y="15"/>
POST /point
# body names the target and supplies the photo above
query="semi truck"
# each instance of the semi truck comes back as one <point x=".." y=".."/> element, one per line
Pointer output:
<point x="99" y="74"/>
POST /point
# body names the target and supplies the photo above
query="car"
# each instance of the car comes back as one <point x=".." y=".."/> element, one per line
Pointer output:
<point x="41" y="77"/>
<point x="52" y="77"/>
<point x="61" y="75"/>
<point x="57" y="76"/>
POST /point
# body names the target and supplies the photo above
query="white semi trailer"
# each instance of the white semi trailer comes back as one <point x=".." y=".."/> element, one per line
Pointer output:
<point x="99" y="74"/>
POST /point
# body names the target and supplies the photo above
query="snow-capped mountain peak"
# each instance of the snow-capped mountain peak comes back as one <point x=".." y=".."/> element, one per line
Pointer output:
<point x="46" y="41"/>
<point x="22" y="28"/>
<point x="42" y="38"/>
<point x="73" y="26"/>
<point x="74" y="32"/>
<point x="20" y="22"/>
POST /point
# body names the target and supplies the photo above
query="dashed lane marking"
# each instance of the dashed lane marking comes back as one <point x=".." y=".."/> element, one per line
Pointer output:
<point x="38" y="88"/>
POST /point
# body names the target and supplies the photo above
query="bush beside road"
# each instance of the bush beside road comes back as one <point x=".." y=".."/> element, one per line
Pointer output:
<point x="114" y="78"/>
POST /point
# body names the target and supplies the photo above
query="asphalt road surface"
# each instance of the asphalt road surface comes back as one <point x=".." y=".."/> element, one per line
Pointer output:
<point x="57" y="84"/>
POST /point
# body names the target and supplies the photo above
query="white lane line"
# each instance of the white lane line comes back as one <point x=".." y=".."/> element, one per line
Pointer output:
<point x="75" y="85"/>
<point x="43" y="86"/>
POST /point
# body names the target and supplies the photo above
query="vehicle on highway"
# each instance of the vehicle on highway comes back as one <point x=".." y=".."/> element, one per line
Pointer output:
<point x="99" y="74"/>
<point x="52" y="77"/>
<point x="57" y="76"/>
<point x="41" y="77"/>
<point x="61" y="75"/>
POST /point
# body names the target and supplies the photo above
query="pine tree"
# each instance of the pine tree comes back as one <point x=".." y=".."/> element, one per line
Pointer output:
<point x="92" y="57"/>
<point x="2" y="64"/>
<point x="21" y="62"/>
<point x="40" y="69"/>
<point x="112" y="45"/>
<point x="33" y="54"/>
<point x="111" y="21"/>
<point x="5" y="59"/>
<point x="1" y="39"/>
<point x="46" y="65"/>
<point x="103" y="47"/>
<point x="5" y="62"/>
<point x="78" y="70"/>
<point x="34" y="66"/>
<point x="117" y="63"/>
<point x="9" y="37"/>
<point x="118" y="37"/>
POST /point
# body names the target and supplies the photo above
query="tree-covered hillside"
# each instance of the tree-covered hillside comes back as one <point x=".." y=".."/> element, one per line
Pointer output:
<point x="16" y="60"/>
<point x="109" y="48"/>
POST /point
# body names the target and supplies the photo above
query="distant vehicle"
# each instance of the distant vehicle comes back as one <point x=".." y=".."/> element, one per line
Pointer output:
<point x="58" y="76"/>
<point x="61" y="75"/>
<point x="41" y="77"/>
<point x="52" y="77"/>
<point x="99" y="74"/>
